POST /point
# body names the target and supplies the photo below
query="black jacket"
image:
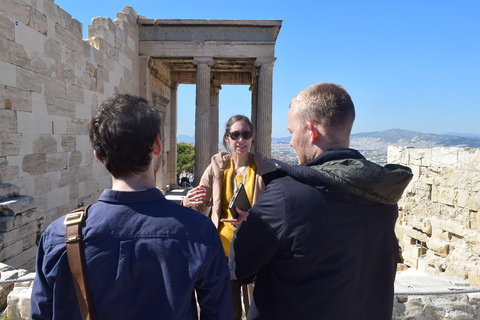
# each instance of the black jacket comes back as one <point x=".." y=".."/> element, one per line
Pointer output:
<point x="320" y="240"/>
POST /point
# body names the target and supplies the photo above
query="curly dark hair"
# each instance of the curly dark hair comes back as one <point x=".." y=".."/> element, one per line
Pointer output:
<point x="122" y="134"/>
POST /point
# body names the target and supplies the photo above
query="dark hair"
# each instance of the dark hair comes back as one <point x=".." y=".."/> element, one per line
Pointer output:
<point x="122" y="134"/>
<point x="230" y="123"/>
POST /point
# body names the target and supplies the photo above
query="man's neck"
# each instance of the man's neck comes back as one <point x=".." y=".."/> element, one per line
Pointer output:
<point x="136" y="182"/>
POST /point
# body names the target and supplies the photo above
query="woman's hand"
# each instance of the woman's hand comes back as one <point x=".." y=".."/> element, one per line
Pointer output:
<point x="195" y="196"/>
<point x="242" y="215"/>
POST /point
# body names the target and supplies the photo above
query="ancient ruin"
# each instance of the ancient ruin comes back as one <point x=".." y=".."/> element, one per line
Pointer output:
<point x="52" y="80"/>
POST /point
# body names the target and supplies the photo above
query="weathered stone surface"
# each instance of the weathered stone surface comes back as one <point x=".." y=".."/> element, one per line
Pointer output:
<point x="56" y="161"/>
<point x="18" y="99"/>
<point x="68" y="142"/>
<point x="16" y="205"/>
<point x="7" y="27"/>
<point x="38" y="21"/>
<point x="35" y="163"/>
<point x="17" y="10"/>
<point x="8" y="74"/>
<point x="19" y="303"/>
<point x="53" y="49"/>
<point x="75" y="160"/>
<point x="30" y="80"/>
<point x="45" y="144"/>
<point x="10" y="144"/>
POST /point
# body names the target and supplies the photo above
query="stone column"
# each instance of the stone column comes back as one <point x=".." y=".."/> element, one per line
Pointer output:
<point x="172" y="154"/>
<point x="214" y="102"/>
<point x="202" y="116"/>
<point x="264" y="105"/>
<point x="253" y="117"/>
<point x="144" y="77"/>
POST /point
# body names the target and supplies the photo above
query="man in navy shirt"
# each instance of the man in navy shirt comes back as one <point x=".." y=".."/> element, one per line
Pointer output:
<point x="146" y="257"/>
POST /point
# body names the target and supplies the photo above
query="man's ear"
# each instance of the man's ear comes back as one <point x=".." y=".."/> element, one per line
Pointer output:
<point x="157" y="145"/>
<point x="313" y="130"/>
<point x="96" y="157"/>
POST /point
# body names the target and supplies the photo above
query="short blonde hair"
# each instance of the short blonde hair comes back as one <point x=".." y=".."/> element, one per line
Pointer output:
<point x="329" y="105"/>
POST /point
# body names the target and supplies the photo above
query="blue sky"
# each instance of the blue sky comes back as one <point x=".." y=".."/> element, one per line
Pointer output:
<point x="407" y="64"/>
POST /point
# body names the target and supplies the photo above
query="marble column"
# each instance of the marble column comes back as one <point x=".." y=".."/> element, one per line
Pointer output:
<point x="214" y="111"/>
<point x="202" y="115"/>
<point x="144" y="77"/>
<point x="263" y="136"/>
<point x="172" y="154"/>
<point x="253" y="117"/>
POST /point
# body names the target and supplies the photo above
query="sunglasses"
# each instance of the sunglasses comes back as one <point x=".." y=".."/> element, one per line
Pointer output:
<point x="246" y="135"/>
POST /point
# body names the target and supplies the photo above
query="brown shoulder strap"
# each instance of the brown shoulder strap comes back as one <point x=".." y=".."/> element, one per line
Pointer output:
<point x="75" y="256"/>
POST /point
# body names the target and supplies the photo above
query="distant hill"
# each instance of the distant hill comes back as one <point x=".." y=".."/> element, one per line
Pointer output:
<point x="416" y="139"/>
<point x="185" y="138"/>
<point x="374" y="145"/>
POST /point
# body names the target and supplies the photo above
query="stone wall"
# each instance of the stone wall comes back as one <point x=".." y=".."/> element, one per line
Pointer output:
<point x="51" y="82"/>
<point x="439" y="222"/>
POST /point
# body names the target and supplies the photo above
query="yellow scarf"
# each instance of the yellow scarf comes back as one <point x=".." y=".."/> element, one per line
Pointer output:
<point x="226" y="229"/>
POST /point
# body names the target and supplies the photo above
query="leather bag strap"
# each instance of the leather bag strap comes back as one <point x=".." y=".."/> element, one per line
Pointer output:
<point x="76" y="260"/>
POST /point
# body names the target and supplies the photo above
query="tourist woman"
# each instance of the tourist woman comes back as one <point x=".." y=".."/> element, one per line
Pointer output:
<point x="219" y="182"/>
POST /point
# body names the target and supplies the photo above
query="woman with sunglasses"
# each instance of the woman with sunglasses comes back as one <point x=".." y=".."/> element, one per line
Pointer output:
<point x="219" y="182"/>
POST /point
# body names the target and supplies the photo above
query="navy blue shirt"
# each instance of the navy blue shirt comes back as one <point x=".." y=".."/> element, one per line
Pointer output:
<point x="146" y="257"/>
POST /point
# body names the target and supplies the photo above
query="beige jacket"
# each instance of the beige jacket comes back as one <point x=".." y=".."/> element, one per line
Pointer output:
<point x="212" y="182"/>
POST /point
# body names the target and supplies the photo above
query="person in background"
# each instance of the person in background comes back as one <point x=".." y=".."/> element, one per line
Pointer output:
<point x="321" y="240"/>
<point x="145" y="257"/>
<point x="219" y="182"/>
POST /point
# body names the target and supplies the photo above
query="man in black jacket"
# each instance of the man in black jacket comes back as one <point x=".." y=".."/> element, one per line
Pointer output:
<point x="320" y="241"/>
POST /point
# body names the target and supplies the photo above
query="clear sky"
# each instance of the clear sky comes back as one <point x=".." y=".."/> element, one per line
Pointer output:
<point x="407" y="64"/>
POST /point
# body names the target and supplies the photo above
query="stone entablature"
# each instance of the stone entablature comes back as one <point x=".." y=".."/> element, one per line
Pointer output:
<point x="439" y="222"/>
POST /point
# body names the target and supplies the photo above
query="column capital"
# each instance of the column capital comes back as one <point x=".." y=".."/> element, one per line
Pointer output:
<point x="203" y="60"/>
<point x="265" y="61"/>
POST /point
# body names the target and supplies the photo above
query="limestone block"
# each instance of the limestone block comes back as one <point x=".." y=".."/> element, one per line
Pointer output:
<point x="53" y="49"/>
<point x="74" y="93"/>
<point x="125" y="61"/>
<point x="83" y="143"/>
<point x="19" y="303"/>
<point x="56" y="88"/>
<point x="68" y="178"/>
<point x="58" y="197"/>
<point x="438" y="247"/>
<point x="38" y="21"/>
<point x="65" y="72"/>
<point x="472" y="239"/>
<point x="473" y="203"/>
<point x="18" y="55"/>
<point x="23" y="251"/>
<point x="19" y="233"/>
<point x="443" y="195"/>
<point x="35" y="163"/>
<point x="10" y="144"/>
<point x="59" y="126"/>
<point x="16" y="206"/>
<point x="61" y="107"/>
<point x="7" y="27"/>
<point x="8" y="190"/>
<point x="74" y="160"/>
<point x="7" y="274"/>
<point x="56" y="161"/>
<point x="65" y="37"/>
<point x="421" y="157"/>
<point x="452" y="227"/>
<point x="30" y="80"/>
<point x="38" y="104"/>
<point x="131" y="43"/>
<point x="68" y="142"/>
<point x="84" y="173"/>
<point x="29" y="37"/>
<point x="445" y="157"/>
<point x="16" y="99"/>
<point x="8" y="74"/>
<point x="43" y="64"/>
<point x="17" y="10"/>
<point x="45" y="144"/>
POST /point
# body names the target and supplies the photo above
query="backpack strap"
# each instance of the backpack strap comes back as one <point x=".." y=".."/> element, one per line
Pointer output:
<point x="76" y="260"/>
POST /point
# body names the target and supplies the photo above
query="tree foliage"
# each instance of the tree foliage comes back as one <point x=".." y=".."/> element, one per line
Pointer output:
<point x="185" y="156"/>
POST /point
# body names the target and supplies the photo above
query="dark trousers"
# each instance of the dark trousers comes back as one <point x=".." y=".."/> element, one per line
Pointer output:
<point x="237" y="289"/>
